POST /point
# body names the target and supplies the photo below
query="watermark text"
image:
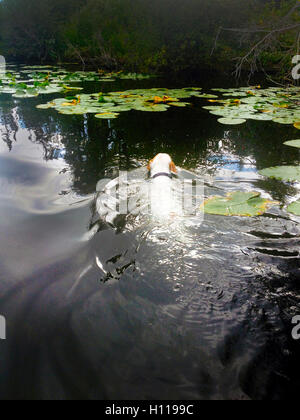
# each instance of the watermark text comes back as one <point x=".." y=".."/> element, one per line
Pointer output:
<point x="159" y="196"/>
<point x="2" y="328"/>
<point x="296" y="69"/>
<point x="296" y="329"/>
<point x="2" y="65"/>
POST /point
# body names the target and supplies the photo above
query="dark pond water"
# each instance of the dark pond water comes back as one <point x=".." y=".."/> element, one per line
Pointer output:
<point x="169" y="311"/>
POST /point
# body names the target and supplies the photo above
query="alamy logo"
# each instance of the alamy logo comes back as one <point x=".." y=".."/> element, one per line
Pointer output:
<point x="2" y="328"/>
<point x="2" y="65"/>
<point x="296" y="69"/>
<point x="183" y="197"/>
<point x="296" y="330"/>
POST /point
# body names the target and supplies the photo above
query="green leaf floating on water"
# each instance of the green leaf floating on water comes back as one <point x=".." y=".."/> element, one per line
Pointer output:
<point x="206" y="96"/>
<point x="283" y="173"/>
<point x="284" y="120"/>
<point x="238" y="203"/>
<point x="293" y="143"/>
<point x="28" y="93"/>
<point x="107" y="115"/>
<point x="294" y="208"/>
<point x="231" y="121"/>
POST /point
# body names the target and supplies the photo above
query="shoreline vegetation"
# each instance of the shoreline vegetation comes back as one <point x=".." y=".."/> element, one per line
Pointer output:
<point x="162" y="36"/>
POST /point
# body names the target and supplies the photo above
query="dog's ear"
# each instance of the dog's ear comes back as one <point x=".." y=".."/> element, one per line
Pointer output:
<point x="149" y="165"/>
<point x="173" y="167"/>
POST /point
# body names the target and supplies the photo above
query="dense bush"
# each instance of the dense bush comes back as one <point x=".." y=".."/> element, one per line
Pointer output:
<point x="135" y="34"/>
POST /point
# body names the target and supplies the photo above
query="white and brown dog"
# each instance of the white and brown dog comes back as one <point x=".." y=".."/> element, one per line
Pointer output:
<point x="161" y="169"/>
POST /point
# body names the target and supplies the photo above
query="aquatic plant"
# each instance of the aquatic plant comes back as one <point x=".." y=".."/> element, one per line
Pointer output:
<point x="293" y="143"/>
<point x="294" y="208"/>
<point x="280" y="105"/>
<point x="286" y="173"/>
<point x="283" y="173"/>
<point x="34" y="85"/>
<point x="110" y="105"/>
<point x="32" y="81"/>
<point x="238" y="203"/>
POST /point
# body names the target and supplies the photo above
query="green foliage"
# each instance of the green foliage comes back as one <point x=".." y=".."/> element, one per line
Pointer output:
<point x="134" y="34"/>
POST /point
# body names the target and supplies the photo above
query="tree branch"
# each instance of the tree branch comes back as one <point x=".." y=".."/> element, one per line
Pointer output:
<point x="265" y="42"/>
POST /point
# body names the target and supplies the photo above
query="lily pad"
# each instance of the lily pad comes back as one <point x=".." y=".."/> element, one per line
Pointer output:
<point x="205" y="96"/>
<point x="294" y="208"/>
<point x="231" y="121"/>
<point x="261" y="117"/>
<point x="287" y="120"/>
<point x="293" y="143"/>
<point x="29" y="93"/>
<point x="179" y="104"/>
<point x="107" y="115"/>
<point x="283" y="173"/>
<point x="238" y="203"/>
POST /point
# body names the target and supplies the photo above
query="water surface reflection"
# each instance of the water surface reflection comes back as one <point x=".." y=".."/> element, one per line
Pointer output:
<point x="180" y="310"/>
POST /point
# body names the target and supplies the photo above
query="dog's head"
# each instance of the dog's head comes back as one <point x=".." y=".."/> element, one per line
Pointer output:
<point x="162" y="163"/>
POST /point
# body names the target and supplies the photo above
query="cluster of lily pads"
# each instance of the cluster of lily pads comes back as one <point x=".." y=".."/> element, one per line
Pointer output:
<point x="288" y="174"/>
<point x="63" y="76"/>
<point x="280" y="105"/>
<point x="32" y="81"/>
<point x="251" y="204"/>
<point x="28" y="87"/>
<point x="110" y="105"/>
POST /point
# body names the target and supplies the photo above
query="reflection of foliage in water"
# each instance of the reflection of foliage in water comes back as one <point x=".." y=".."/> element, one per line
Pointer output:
<point x="232" y="266"/>
<point x="97" y="149"/>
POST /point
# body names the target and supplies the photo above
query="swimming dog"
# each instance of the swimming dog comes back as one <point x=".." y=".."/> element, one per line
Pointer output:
<point x="161" y="169"/>
<point x="162" y="165"/>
